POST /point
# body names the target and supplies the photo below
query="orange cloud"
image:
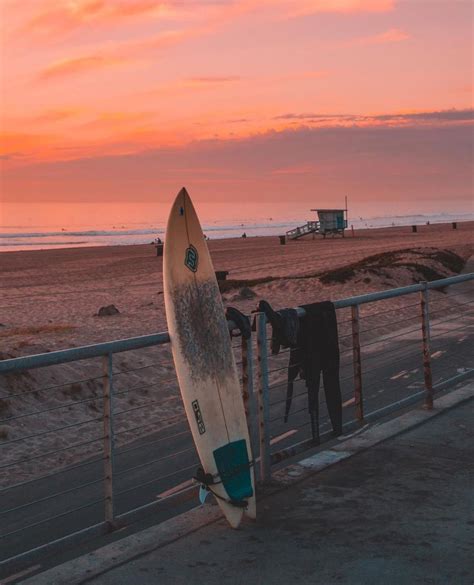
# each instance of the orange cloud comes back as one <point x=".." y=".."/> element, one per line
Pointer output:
<point x="76" y="65"/>
<point x="57" y="115"/>
<point x="294" y="170"/>
<point x="22" y="145"/>
<point x="211" y="80"/>
<point x="120" y="54"/>
<point x="306" y="7"/>
<point x="59" y="17"/>
<point x="393" y="35"/>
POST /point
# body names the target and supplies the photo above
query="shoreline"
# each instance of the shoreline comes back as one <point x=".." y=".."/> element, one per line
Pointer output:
<point x="359" y="231"/>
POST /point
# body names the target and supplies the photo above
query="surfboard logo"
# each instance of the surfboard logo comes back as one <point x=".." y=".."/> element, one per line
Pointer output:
<point x="191" y="258"/>
<point x="199" y="420"/>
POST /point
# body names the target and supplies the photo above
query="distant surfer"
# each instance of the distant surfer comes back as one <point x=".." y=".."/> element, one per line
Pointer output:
<point x="244" y="235"/>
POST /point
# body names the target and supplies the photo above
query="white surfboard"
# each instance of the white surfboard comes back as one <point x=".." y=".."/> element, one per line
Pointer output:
<point x="205" y="364"/>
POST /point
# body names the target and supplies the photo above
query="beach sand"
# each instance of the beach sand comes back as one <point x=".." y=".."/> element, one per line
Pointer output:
<point x="50" y="300"/>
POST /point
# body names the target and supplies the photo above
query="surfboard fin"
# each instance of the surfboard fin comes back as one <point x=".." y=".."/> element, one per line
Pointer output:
<point x="203" y="493"/>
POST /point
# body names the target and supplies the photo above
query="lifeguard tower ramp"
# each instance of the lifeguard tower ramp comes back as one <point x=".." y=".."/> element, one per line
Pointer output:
<point x="311" y="227"/>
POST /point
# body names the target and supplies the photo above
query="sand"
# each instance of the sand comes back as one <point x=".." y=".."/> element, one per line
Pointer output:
<point x="50" y="299"/>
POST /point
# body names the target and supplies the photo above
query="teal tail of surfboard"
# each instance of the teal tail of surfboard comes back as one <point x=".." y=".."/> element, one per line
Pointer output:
<point x="233" y="465"/>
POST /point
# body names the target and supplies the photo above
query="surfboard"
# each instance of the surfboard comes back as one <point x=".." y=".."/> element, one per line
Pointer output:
<point x="205" y="364"/>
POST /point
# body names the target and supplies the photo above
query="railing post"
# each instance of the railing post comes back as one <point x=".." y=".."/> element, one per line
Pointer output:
<point x="108" y="440"/>
<point x="248" y="392"/>
<point x="263" y="402"/>
<point x="425" y="331"/>
<point x="357" y="364"/>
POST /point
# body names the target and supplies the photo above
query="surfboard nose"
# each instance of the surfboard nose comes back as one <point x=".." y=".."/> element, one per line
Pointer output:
<point x="182" y="204"/>
<point x="182" y="196"/>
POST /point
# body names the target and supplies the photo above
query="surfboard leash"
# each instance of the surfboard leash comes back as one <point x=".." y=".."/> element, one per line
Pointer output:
<point x="207" y="480"/>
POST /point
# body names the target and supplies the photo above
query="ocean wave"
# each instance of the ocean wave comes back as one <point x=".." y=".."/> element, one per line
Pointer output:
<point x="142" y="232"/>
<point x="89" y="234"/>
<point x="72" y="243"/>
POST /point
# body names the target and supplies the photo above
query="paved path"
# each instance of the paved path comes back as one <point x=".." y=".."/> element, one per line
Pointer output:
<point x="398" y="513"/>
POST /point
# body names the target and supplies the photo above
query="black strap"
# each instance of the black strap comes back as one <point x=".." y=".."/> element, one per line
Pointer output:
<point x="207" y="480"/>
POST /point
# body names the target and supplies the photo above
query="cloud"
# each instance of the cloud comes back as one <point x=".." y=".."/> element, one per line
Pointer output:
<point x="212" y="80"/>
<point x="443" y="115"/>
<point x="237" y="121"/>
<point x="385" y="167"/>
<point x="11" y="155"/>
<point x="56" y="115"/>
<point x="308" y="116"/>
<point x="306" y="7"/>
<point x="75" y="65"/>
<point x="58" y="17"/>
<point x="452" y="115"/>
<point x="114" y="55"/>
<point x="393" y="35"/>
<point x="295" y="170"/>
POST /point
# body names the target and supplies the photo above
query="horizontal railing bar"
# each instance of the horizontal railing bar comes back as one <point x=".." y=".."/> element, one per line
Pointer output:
<point x="400" y="352"/>
<point x="51" y="387"/>
<point x="61" y="406"/>
<point x="280" y="417"/>
<point x="56" y="495"/>
<point x="397" y="384"/>
<point x="143" y="386"/>
<point x="388" y="338"/>
<point x="404" y="290"/>
<point x="48" y="475"/>
<point x="76" y="424"/>
<point x="86" y="352"/>
<point x="164" y="458"/>
<point x="380" y="367"/>
<point x="81" y="353"/>
<point x="450" y="319"/>
<point x="443" y="343"/>
<point x="451" y="310"/>
<point x="385" y="311"/>
<point x="156" y="479"/>
<point x="389" y="324"/>
<point x="150" y="424"/>
<point x="283" y="400"/>
<point x="52" y="518"/>
<point x="100" y="349"/>
<point x="123" y="451"/>
<point x="145" y="404"/>
<point x="49" y="453"/>
<point x="11" y="564"/>
<point x="285" y="367"/>
<point x="454" y="330"/>
<point x="132" y="370"/>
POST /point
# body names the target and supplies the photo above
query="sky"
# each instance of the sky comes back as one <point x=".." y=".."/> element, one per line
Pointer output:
<point x="258" y="107"/>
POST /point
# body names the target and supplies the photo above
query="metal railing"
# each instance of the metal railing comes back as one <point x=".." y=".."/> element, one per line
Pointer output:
<point x="83" y="457"/>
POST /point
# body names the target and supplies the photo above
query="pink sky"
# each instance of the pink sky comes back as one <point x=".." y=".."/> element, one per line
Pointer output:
<point x="292" y="102"/>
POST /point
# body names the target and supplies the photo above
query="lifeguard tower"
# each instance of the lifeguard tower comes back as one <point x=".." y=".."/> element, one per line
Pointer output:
<point x="330" y="221"/>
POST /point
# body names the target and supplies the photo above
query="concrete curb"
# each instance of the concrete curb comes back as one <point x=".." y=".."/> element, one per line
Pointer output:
<point x="91" y="565"/>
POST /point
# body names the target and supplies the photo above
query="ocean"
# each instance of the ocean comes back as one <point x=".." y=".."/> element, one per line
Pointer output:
<point x="14" y="238"/>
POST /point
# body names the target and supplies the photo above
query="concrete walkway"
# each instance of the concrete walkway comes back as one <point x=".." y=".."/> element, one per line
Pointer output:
<point x="399" y="512"/>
